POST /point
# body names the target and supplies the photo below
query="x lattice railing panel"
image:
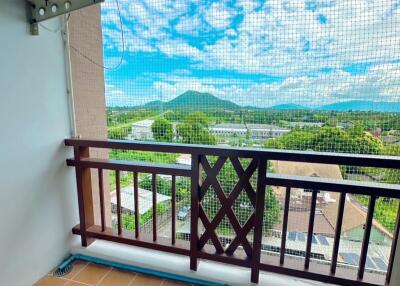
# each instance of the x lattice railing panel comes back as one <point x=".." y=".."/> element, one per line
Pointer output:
<point x="226" y="203"/>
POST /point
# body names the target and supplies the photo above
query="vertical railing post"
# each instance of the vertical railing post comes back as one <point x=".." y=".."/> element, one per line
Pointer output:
<point x="101" y="196"/>
<point x="85" y="199"/>
<point x="119" y="207"/>
<point x="310" y="232"/>
<point x="394" y="254"/>
<point x="258" y="220"/>
<point x="194" y="217"/>
<point x="284" y="226"/>
<point x="173" y="209"/>
<point x="154" y="204"/>
<point x="136" y="202"/>
<point x="338" y="232"/>
<point x="367" y="235"/>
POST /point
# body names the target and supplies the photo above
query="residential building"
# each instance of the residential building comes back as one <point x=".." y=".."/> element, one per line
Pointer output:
<point x="128" y="200"/>
<point x="302" y="124"/>
<point x="227" y="130"/>
<point x="253" y="131"/>
<point x="327" y="204"/>
<point x="141" y="130"/>
<point x="265" y="131"/>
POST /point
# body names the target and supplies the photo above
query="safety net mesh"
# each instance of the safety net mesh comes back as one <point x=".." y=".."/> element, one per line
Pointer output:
<point x="315" y="75"/>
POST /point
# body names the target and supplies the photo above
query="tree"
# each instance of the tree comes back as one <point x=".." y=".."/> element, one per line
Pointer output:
<point x="329" y="139"/>
<point x="162" y="130"/>
<point x="198" y="119"/>
<point x="392" y="175"/>
<point x="194" y="130"/>
<point x="119" y="132"/>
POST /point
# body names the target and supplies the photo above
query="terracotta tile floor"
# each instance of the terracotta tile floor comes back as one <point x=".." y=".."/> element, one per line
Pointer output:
<point x="87" y="274"/>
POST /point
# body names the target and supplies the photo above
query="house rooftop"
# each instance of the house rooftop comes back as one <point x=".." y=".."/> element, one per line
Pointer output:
<point x="329" y="210"/>
<point x="145" y="199"/>
<point x="143" y="123"/>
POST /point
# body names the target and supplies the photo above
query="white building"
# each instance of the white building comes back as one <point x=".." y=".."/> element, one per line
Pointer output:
<point x="227" y="129"/>
<point x="255" y="131"/>
<point x="265" y="131"/>
<point x="302" y="124"/>
<point x="128" y="200"/>
<point x="141" y="130"/>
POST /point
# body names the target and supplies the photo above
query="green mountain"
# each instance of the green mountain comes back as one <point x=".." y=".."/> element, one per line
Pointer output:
<point x="194" y="100"/>
<point x="363" y="105"/>
<point x="288" y="106"/>
<point x="200" y="101"/>
<point x="154" y="104"/>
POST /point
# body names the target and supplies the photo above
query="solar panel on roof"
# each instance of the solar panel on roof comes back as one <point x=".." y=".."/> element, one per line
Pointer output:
<point x="322" y="239"/>
<point x="346" y="258"/>
<point x="292" y="236"/>
<point x="380" y="264"/>
<point x="356" y="258"/>
<point x="369" y="263"/>
<point x="314" y="239"/>
<point x="301" y="236"/>
<point x="350" y="258"/>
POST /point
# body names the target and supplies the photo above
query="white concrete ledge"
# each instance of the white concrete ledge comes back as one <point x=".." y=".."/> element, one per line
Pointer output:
<point x="179" y="265"/>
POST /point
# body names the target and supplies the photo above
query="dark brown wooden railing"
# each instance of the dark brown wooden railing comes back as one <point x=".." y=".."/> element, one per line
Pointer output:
<point x="250" y="254"/>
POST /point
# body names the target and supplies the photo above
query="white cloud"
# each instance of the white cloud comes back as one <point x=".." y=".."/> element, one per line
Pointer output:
<point x="280" y="38"/>
<point x="284" y="38"/>
<point x="189" y="25"/>
<point x="247" y="5"/>
<point x="178" y="48"/>
<point x="218" y="15"/>
<point x="378" y="85"/>
<point x="292" y="39"/>
<point x="144" y="23"/>
<point x="116" y="97"/>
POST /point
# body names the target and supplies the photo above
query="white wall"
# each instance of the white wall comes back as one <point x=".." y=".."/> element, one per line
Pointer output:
<point x="37" y="191"/>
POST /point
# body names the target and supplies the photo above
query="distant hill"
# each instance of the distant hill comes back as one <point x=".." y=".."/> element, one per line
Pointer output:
<point x="354" y="105"/>
<point x="198" y="100"/>
<point x="361" y="105"/>
<point x="154" y="104"/>
<point x="194" y="100"/>
<point x="288" y="106"/>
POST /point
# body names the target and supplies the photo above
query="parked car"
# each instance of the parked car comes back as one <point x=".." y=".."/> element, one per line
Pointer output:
<point x="183" y="213"/>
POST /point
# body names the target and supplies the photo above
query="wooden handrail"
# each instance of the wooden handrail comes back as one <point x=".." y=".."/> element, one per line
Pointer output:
<point x="333" y="185"/>
<point x="203" y="175"/>
<point x="132" y="166"/>
<point x="269" y="154"/>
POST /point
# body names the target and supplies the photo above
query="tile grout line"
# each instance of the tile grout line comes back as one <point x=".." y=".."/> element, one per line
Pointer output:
<point x="78" y="282"/>
<point x="104" y="276"/>
<point x="73" y="276"/>
<point x="76" y="274"/>
<point x="60" y="278"/>
<point x="70" y="280"/>
<point x="132" y="279"/>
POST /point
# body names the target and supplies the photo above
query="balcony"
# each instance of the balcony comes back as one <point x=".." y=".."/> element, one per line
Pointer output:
<point x="74" y="212"/>
<point x="249" y="245"/>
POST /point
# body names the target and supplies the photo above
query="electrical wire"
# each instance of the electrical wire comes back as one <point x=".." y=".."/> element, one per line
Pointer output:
<point x="60" y="27"/>
<point x="123" y="46"/>
<point x="121" y="60"/>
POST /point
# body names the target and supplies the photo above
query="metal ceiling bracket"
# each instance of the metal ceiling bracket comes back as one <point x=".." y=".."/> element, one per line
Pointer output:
<point x="41" y="10"/>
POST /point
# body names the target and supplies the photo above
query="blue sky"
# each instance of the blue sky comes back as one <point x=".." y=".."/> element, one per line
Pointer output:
<point x="260" y="53"/>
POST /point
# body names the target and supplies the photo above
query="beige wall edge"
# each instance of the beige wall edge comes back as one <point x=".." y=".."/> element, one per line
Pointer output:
<point x="88" y="89"/>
